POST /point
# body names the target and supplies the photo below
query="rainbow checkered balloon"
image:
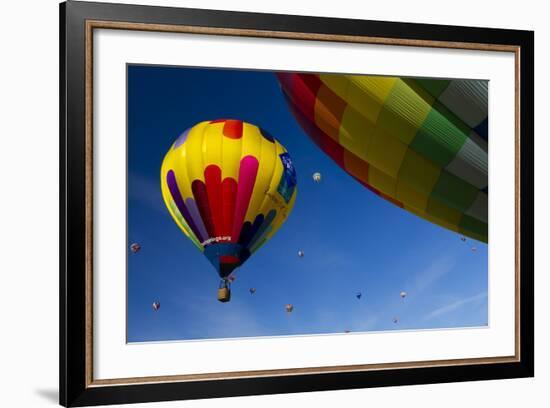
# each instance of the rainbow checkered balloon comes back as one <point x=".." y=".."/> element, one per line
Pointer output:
<point x="419" y="143"/>
<point x="229" y="186"/>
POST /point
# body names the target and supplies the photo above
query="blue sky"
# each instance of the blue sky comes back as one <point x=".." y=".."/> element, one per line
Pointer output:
<point x="353" y="240"/>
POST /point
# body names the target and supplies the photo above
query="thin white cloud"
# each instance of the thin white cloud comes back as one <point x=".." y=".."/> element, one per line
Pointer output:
<point x="146" y="190"/>
<point x="451" y="307"/>
<point x="435" y="271"/>
<point x="212" y="321"/>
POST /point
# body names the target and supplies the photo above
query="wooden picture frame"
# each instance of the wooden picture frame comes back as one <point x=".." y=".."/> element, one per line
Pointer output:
<point x="78" y="20"/>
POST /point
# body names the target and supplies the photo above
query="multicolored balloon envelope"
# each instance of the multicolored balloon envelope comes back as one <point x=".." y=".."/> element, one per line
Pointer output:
<point x="419" y="143"/>
<point x="229" y="186"/>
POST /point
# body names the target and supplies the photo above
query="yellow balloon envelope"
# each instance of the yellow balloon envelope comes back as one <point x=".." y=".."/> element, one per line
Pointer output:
<point x="229" y="186"/>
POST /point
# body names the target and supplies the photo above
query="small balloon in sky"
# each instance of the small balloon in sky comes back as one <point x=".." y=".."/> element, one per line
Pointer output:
<point x="252" y="290"/>
<point x="474" y="249"/>
<point x="135" y="247"/>
<point x="301" y="254"/>
<point x="232" y="278"/>
<point x="317" y="177"/>
<point x="289" y="308"/>
<point x="156" y="306"/>
<point x="395" y="320"/>
<point x="358" y="295"/>
<point x="403" y="294"/>
<point x="463" y="239"/>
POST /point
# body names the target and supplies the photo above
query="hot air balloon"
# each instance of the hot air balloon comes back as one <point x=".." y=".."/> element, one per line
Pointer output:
<point x="403" y="294"/>
<point x="463" y="239"/>
<point x="421" y="144"/>
<point x="135" y="247"/>
<point x="301" y="254"/>
<point x="229" y="186"/>
<point x="156" y="306"/>
<point x="395" y="320"/>
<point x="474" y="249"/>
<point x="358" y="295"/>
<point x="252" y="290"/>
<point x="289" y="308"/>
<point x="317" y="177"/>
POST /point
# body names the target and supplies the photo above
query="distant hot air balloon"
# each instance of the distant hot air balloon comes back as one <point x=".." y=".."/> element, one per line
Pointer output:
<point x="421" y="144"/>
<point x="156" y="306"/>
<point x="358" y="295"/>
<point x="301" y="254"/>
<point x="232" y="278"/>
<point x="474" y="249"/>
<point x="463" y="239"/>
<point x="252" y="290"/>
<point x="395" y="320"/>
<point x="229" y="186"/>
<point x="317" y="177"/>
<point x="403" y="294"/>
<point x="289" y="308"/>
<point x="135" y="247"/>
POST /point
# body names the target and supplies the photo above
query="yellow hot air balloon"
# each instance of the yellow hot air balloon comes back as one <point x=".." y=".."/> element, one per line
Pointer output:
<point x="229" y="186"/>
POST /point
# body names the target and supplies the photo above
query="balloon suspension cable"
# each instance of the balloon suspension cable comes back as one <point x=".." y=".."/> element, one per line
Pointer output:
<point x="225" y="283"/>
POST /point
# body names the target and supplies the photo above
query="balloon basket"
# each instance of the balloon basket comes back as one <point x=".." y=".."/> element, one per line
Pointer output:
<point x="224" y="295"/>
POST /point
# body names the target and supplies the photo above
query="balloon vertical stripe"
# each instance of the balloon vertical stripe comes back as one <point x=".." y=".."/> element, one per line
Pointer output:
<point x="176" y="196"/>
<point x="249" y="230"/>
<point x="263" y="228"/>
<point x="267" y="175"/>
<point x="229" y="196"/>
<point x="196" y="217"/>
<point x="183" y="224"/>
<point x="213" y="179"/>
<point x="247" y="178"/>
<point x="201" y="198"/>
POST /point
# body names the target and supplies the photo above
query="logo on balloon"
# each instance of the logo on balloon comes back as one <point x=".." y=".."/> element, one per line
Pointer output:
<point x="288" y="178"/>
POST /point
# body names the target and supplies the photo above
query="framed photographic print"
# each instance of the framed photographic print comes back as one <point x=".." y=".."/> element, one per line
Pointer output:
<point x="256" y="203"/>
